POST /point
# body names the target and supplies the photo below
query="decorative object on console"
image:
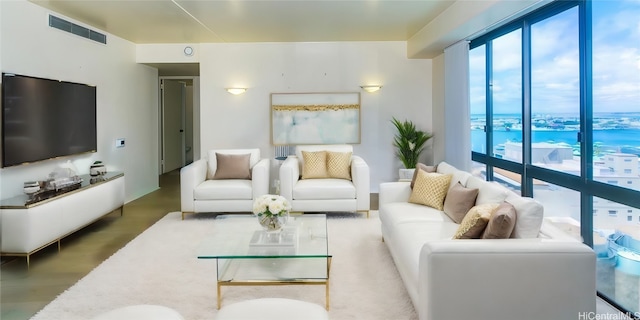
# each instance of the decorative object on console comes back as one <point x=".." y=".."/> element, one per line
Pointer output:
<point x="63" y="178"/>
<point x="272" y="211"/>
<point x="97" y="169"/>
<point x="31" y="187"/>
<point x="410" y="142"/>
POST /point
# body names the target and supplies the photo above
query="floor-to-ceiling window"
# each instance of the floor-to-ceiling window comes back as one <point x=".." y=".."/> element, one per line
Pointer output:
<point x="555" y="114"/>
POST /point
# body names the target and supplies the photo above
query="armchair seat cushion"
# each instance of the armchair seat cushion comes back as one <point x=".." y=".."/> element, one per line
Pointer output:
<point x="232" y="189"/>
<point x="324" y="189"/>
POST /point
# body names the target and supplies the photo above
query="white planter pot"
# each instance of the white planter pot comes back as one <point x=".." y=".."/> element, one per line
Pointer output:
<point x="406" y="174"/>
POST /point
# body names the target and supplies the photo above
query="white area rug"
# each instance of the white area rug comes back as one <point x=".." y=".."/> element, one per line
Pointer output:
<point x="160" y="267"/>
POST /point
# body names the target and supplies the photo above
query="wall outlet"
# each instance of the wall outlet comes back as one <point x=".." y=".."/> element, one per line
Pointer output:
<point x="120" y="143"/>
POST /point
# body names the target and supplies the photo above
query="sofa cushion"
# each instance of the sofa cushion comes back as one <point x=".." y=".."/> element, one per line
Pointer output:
<point x="489" y="192"/>
<point x="232" y="166"/>
<point x="339" y="165"/>
<point x="408" y="239"/>
<point x="320" y="147"/>
<point x="529" y="214"/>
<point x="456" y="175"/>
<point x="501" y="223"/>
<point x="212" y="163"/>
<point x="400" y="212"/>
<point x="475" y="221"/>
<point x="231" y="189"/>
<point x="315" y="165"/>
<point x="323" y="189"/>
<point x="459" y="201"/>
<point x="421" y="166"/>
<point x="430" y="189"/>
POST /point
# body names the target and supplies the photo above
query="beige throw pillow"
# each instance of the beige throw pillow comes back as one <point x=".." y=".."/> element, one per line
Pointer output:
<point x="459" y="201"/>
<point x="430" y="189"/>
<point x="315" y="165"/>
<point x="501" y="223"/>
<point x="423" y="167"/>
<point x="232" y="166"/>
<point x="339" y="165"/>
<point x="475" y="221"/>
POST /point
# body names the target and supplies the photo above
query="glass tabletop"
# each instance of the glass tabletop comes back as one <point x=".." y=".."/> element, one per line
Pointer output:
<point x="242" y="237"/>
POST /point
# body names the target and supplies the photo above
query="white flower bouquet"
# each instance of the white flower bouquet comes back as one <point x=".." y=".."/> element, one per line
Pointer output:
<point x="270" y="205"/>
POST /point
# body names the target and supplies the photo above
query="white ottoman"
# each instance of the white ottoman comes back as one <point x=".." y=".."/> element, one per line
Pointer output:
<point x="272" y="309"/>
<point x="140" y="312"/>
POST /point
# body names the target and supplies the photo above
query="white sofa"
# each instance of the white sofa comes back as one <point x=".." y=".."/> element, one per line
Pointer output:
<point x="328" y="194"/>
<point x="200" y="192"/>
<point x="542" y="274"/>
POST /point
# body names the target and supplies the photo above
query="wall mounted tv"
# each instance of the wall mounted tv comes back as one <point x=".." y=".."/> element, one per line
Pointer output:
<point x="44" y="119"/>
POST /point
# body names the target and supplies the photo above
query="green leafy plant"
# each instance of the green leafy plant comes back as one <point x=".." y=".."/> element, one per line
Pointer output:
<point x="409" y="142"/>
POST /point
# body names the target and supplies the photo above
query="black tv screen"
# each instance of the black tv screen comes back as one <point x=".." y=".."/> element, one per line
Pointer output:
<point x="44" y="119"/>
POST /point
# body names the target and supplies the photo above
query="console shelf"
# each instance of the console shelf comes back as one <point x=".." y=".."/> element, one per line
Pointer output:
<point x="29" y="225"/>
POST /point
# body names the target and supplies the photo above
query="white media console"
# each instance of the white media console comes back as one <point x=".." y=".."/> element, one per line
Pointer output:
<point x="29" y="226"/>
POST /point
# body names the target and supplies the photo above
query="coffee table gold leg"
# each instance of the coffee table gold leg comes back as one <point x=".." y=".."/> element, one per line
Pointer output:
<point x="327" y="285"/>
<point x="219" y="296"/>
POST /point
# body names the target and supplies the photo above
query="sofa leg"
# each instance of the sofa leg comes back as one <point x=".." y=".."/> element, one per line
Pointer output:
<point x="183" y="213"/>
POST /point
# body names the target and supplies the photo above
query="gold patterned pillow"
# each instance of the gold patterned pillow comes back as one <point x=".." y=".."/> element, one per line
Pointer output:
<point x="430" y="189"/>
<point x="315" y="165"/>
<point x="475" y="221"/>
<point x="339" y="165"/>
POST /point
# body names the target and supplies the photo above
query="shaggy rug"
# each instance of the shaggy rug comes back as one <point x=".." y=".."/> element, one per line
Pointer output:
<point x="160" y="267"/>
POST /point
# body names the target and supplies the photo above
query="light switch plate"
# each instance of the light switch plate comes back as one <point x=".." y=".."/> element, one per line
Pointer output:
<point x="120" y="143"/>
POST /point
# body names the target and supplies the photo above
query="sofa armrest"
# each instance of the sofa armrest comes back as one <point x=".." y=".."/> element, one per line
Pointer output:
<point x="289" y="176"/>
<point x="361" y="180"/>
<point x="523" y="279"/>
<point x="394" y="192"/>
<point x="191" y="176"/>
<point x="260" y="178"/>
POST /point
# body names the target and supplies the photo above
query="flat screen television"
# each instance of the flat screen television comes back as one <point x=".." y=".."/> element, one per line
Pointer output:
<point x="44" y="119"/>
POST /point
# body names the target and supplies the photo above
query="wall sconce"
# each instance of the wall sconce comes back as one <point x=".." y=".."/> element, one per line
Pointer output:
<point x="371" y="88"/>
<point x="236" y="91"/>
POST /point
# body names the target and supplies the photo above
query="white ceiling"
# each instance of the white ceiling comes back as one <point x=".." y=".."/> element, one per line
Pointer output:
<point x="194" y="21"/>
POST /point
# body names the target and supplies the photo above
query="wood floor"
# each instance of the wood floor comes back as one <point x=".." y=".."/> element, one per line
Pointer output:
<point x="25" y="291"/>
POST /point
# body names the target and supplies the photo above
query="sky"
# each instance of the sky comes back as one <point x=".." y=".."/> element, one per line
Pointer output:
<point x="555" y="63"/>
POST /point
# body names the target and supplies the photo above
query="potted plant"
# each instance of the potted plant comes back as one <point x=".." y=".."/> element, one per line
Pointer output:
<point x="409" y="143"/>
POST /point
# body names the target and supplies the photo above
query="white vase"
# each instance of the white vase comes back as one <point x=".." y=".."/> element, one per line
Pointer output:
<point x="406" y="174"/>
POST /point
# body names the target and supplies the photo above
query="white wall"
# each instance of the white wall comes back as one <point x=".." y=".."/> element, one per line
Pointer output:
<point x="229" y="121"/>
<point x="127" y="95"/>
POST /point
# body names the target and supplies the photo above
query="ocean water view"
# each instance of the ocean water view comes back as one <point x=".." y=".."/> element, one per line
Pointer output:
<point x="612" y="132"/>
<point x="610" y="140"/>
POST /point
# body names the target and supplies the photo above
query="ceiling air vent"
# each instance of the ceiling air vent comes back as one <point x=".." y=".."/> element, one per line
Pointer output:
<point x="78" y="30"/>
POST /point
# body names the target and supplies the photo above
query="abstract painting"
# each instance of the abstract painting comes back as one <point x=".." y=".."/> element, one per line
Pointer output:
<point x="315" y="118"/>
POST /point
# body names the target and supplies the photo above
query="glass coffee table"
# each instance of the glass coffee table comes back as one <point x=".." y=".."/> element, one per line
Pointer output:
<point x="248" y="256"/>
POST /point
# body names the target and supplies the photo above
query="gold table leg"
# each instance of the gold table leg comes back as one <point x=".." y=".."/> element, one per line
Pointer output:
<point x="219" y="295"/>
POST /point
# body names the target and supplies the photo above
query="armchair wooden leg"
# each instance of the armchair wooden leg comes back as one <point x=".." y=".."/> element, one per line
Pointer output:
<point x="183" y="213"/>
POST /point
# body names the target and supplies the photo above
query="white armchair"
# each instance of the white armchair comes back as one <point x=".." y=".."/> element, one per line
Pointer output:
<point x="325" y="194"/>
<point x="206" y="186"/>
